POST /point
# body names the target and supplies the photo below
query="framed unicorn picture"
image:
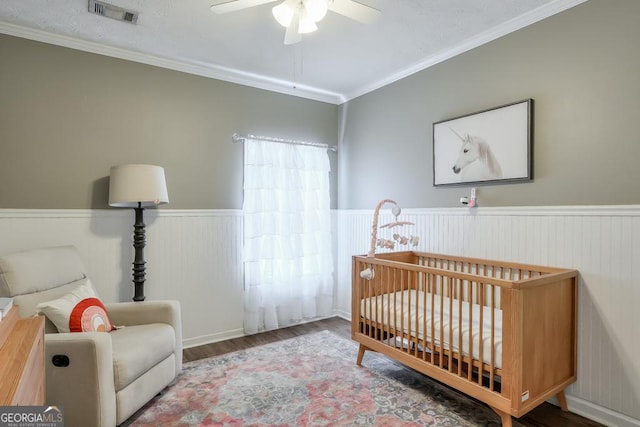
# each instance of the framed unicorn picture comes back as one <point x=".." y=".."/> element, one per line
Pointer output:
<point x="488" y="147"/>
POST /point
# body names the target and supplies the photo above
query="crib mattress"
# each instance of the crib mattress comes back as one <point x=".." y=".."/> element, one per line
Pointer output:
<point x="411" y="311"/>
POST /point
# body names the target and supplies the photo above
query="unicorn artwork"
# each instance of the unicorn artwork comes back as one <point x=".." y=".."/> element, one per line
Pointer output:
<point x="476" y="161"/>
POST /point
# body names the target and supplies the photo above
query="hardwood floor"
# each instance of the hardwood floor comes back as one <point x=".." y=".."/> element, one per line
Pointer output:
<point x="546" y="415"/>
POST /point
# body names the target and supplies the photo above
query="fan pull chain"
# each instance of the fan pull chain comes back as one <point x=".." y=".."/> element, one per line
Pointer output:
<point x="298" y="60"/>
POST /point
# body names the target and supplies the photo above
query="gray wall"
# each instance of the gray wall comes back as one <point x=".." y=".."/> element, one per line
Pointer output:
<point x="67" y="116"/>
<point x="582" y="68"/>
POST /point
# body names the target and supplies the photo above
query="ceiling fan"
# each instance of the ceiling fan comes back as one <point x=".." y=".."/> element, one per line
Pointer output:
<point x="300" y="16"/>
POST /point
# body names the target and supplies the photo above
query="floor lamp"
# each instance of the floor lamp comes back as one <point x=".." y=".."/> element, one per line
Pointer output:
<point x="137" y="187"/>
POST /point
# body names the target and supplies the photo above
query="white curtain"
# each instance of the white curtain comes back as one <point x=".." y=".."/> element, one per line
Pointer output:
<point x="287" y="234"/>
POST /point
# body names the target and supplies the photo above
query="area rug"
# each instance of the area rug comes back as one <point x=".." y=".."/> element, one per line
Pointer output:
<point x="311" y="380"/>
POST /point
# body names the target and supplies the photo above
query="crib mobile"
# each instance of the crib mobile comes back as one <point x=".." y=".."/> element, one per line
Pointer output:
<point x="398" y="239"/>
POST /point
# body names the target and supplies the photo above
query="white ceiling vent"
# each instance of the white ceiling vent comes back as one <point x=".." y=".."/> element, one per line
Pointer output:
<point x="110" y="11"/>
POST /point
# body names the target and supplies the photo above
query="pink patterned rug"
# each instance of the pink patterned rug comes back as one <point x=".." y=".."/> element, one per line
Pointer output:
<point x="311" y="380"/>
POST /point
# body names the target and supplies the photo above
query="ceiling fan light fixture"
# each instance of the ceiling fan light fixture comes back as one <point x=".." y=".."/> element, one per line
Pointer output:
<point x="316" y="9"/>
<point x="306" y="24"/>
<point x="291" y="35"/>
<point x="300" y="16"/>
<point x="283" y="13"/>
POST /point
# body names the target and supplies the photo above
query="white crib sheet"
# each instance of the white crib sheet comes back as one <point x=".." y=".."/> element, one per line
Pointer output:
<point x="413" y="307"/>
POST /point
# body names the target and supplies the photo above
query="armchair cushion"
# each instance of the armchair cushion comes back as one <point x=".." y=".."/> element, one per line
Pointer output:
<point x="78" y="311"/>
<point x="27" y="303"/>
<point x="129" y="362"/>
<point x="149" y="312"/>
<point x="56" y="266"/>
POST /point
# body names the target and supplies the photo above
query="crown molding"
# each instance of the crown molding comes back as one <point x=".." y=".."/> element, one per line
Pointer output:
<point x="510" y="26"/>
<point x="191" y="67"/>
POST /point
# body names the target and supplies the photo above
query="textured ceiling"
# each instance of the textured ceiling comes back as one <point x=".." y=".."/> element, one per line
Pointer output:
<point x="340" y="61"/>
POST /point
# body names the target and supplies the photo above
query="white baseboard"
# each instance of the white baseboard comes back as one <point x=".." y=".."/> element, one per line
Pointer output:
<point x="211" y="338"/>
<point x="342" y="314"/>
<point x="599" y="413"/>
<point x="236" y="333"/>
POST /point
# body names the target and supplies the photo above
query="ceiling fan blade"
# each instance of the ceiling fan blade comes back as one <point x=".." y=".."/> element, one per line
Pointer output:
<point x="292" y="36"/>
<point x="233" y="5"/>
<point x="354" y="10"/>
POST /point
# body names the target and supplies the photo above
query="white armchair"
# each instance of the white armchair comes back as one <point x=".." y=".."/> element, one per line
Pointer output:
<point x="109" y="376"/>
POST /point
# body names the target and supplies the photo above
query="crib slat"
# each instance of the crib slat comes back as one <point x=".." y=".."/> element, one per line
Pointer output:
<point x="424" y="279"/>
<point x="480" y="286"/>
<point x="369" y="294"/>
<point x="441" y="321"/>
<point x="415" y="287"/>
<point x="414" y="282"/>
<point x="452" y="291"/>
<point x="433" y="332"/>
<point x="389" y="291"/>
<point x="460" y="374"/>
<point x="493" y="337"/>
<point x="470" y="325"/>
<point x="409" y="311"/>
<point x="373" y="308"/>
<point x="394" y="308"/>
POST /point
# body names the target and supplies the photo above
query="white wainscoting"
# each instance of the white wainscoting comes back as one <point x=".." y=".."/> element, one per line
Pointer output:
<point x="195" y="256"/>
<point x="192" y="256"/>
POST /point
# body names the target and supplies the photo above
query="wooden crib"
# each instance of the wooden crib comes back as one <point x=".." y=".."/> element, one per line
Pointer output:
<point x="501" y="332"/>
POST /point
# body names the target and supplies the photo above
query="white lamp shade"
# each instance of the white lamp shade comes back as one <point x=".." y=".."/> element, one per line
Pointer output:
<point x="133" y="184"/>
